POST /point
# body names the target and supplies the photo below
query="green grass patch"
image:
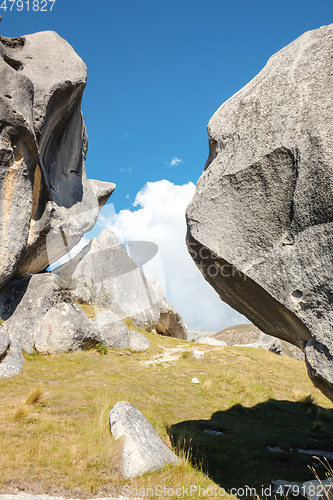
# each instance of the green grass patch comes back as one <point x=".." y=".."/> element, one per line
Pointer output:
<point x="60" y="442"/>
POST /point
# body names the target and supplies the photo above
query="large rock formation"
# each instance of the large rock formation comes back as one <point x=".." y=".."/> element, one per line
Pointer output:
<point x="37" y="314"/>
<point x="47" y="203"/>
<point x="105" y="274"/>
<point x="260" y="226"/>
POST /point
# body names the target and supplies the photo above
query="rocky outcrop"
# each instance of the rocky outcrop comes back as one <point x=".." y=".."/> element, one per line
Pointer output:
<point x="114" y="333"/>
<point x="38" y="315"/>
<point x="260" y="226"/>
<point x="170" y="322"/>
<point x="113" y="280"/>
<point x="4" y="341"/>
<point x="250" y="335"/>
<point x="23" y="304"/>
<point x="47" y="203"/>
<point x="138" y="342"/>
<point x="143" y="450"/>
<point x="105" y="273"/>
<point x="65" y="328"/>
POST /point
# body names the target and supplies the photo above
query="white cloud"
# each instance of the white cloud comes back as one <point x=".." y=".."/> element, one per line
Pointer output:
<point x="126" y="170"/>
<point x="175" y="161"/>
<point x="160" y="218"/>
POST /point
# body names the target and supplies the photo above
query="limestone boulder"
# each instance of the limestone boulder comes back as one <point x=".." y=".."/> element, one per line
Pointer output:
<point x="65" y="328"/>
<point x="18" y="157"/>
<point x="113" y="280"/>
<point x="23" y="304"/>
<point x="138" y="342"/>
<point x="12" y="360"/>
<point x="260" y="225"/>
<point x="267" y="342"/>
<point x="115" y="334"/>
<point x="143" y="450"/>
<point x="170" y="322"/>
<point x="4" y="341"/>
<point x="46" y="202"/>
<point x="37" y="314"/>
<point x="113" y="331"/>
<point x="210" y="341"/>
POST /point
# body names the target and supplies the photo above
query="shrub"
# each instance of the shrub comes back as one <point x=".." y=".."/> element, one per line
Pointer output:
<point x="101" y="348"/>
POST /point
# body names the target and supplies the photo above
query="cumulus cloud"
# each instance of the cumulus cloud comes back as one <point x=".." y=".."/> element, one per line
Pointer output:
<point x="158" y="216"/>
<point x="175" y="161"/>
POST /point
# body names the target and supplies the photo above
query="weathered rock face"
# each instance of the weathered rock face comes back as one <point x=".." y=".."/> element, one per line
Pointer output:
<point x="114" y="333"/>
<point x="104" y="272"/>
<point x="38" y="314"/>
<point x="112" y="278"/>
<point x="170" y="323"/>
<point x="143" y="449"/>
<point x="65" y="328"/>
<point x="23" y="304"/>
<point x="260" y="226"/>
<point x="47" y="203"/>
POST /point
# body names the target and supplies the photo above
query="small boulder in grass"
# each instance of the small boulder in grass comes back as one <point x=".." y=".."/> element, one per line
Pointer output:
<point x="198" y="354"/>
<point x="138" y="342"/>
<point x="143" y="449"/>
<point x="210" y="341"/>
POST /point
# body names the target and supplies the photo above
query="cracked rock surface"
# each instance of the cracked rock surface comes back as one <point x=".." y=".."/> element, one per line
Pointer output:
<point x="46" y="202"/>
<point x="260" y="225"/>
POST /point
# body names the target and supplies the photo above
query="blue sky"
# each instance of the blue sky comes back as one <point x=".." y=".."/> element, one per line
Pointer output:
<point x="157" y="71"/>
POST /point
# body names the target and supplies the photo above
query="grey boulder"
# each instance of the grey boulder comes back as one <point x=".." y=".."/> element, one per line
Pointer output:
<point x="4" y="341"/>
<point x="138" y="342"/>
<point x="12" y="359"/>
<point x="143" y="450"/>
<point x="210" y="341"/>
<point x="113" y="331"/>
<point x="23" y="304"/>
<point x="47" y="201"/>
<point x="250" y="335"/>
<point x="65" y="328"/>
<point x="112" y="279"/>
<point x="115" y="334"/>
<point x="267" y="342"/>
<point x="260" y="225"/>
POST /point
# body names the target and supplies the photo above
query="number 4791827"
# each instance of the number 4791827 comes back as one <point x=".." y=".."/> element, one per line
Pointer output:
<point x="34" y="5"/>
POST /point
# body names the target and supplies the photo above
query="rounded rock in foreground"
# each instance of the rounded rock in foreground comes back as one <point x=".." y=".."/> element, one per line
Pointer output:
<point x="143" y="449"/>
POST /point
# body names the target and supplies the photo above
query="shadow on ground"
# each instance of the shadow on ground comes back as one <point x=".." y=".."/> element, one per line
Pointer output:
<point x="240" y="455"/>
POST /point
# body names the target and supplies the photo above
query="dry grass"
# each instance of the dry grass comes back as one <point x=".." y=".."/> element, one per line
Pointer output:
<point x="35" y="396"/>
<point x="58" y="441"/>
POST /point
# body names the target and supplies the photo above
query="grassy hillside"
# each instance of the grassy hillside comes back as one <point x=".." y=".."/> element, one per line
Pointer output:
<point x="54" y="418"/>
